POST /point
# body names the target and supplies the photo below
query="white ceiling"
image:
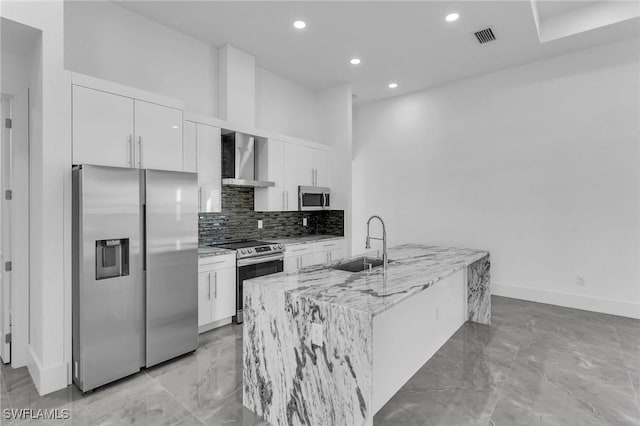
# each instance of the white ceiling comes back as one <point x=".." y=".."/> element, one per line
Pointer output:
<point x="407" y="42"/>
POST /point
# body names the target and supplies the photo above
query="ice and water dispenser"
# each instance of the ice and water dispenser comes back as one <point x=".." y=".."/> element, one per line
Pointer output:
<point x="112" y="258"/>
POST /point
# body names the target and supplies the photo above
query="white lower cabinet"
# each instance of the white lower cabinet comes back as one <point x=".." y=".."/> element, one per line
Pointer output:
<point x="216" y="290"/>
<point x="301" y="255"/>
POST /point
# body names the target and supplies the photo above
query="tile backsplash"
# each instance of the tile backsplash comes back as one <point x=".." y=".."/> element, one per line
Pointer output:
<point x="238" y="220"/>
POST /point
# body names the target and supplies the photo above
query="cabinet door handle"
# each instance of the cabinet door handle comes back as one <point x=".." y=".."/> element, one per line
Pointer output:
<point x="287" y="198"/>
<point x="140" y="151"/>
<point x="316" y="176"/>
<point x="330" y="256"/>
<point x="209" y="294"/>
<point x="215" y="285"/>
<point x="200" y="199"/>
<point x="131" y="151"/>
<point x="283" y="205"/>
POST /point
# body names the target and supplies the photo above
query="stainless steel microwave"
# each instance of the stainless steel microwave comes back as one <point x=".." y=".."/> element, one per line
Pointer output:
<point x="314" y="198"/>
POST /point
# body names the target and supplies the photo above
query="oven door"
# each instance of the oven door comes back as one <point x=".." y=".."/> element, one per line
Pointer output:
<point x="313" y="198"/>
<point x="253" y="268"/>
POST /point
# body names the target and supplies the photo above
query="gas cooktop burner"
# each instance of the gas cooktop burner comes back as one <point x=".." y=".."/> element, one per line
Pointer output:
<point x="252" y="248"/>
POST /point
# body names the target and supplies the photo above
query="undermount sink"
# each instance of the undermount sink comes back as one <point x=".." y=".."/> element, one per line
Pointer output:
<point x="359" y="264"/>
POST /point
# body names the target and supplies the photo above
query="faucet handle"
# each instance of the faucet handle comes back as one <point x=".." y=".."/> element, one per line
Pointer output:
<point x="367" y="245"/>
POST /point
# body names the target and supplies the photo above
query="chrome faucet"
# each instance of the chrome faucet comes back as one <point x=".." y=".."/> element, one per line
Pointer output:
<point x="384" y="239"/>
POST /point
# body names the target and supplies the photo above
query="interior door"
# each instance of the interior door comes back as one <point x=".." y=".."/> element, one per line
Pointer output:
<point x="158" y="136"/>
<point x="102" y="128"/>
<point x="209" y="168"/>
<point x="5" y="232"/>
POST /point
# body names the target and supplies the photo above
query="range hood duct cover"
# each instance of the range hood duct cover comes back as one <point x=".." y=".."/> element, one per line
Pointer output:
<point x="239" y="161"/>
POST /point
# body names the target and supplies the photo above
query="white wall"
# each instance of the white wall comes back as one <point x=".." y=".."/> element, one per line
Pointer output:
<point x="336" y="130"/>
<point x="107" y="41"/>
<point x="50" y="180"/>
<point x="538" y="164"/>
<point x="285" y="107"/>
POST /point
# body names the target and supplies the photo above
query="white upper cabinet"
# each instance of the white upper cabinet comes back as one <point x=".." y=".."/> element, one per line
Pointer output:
<point x="313" y="166"/>
<point x="209" y="165"/>
<point x="277" y="162"/>
<point x="321" y="167"/>
<point x="158" y="136"/>
<point x="203" y="155"/>
<point x="115" y="125"/>
<point x="103" y="128"/>
<point x="270" y="166"/>
<point x="306" y="169"/>
<point x="189" y="150"/>
<point x="291" y="173"/>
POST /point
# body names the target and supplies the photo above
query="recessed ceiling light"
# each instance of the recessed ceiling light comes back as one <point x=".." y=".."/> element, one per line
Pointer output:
<point x="355" y="61"/>
<point x="452" y="17"/>
<point x="299" y="24"/>
<point x="393" y="85"/>
<point x="175" y="127"/>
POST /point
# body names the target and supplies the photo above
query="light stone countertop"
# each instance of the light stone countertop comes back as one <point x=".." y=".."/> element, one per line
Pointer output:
<point x="205" y="251"/>
<point x="412" y="269"/>
<point x="306" y="239"/>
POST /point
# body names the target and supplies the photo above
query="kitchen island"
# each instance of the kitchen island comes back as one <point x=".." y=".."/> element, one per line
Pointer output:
<point x="330" y="347"/>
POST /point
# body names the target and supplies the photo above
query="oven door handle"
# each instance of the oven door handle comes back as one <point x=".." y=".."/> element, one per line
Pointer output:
<point x="261" y="259"/>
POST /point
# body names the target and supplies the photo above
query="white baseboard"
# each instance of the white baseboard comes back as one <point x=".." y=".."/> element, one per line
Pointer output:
<point x="569" y="300"/>
<point x="46" y="379"/>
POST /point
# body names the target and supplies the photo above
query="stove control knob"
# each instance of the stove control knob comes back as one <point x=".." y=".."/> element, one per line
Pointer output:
<point x="243" y="251"/>
<point x="249" y="250"/>
<point x="279" y="246"/>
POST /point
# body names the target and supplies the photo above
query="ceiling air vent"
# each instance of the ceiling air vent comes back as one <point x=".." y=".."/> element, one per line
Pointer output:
<point x="485" y="36"/>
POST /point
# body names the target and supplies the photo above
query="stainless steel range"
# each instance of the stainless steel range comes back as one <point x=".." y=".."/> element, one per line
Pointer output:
<point x="253" y="259"/>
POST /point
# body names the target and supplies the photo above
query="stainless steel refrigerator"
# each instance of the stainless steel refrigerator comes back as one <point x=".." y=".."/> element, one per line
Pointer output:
<point x="135" y="270"/>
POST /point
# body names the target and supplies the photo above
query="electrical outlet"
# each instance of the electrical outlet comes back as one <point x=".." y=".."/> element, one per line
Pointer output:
<point x="304" y="221"/>
<point x="259" y="223"/>
<point x="316" y="334"/>
<point x="580" y="281"/>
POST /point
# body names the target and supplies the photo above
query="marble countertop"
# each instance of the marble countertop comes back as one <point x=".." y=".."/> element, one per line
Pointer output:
<point x="306" y="239"/>
<point x="204" y="251"/>
<point x="412" y="269"/>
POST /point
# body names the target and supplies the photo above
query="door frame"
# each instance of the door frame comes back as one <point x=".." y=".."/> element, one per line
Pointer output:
<point x="19" y="224"/>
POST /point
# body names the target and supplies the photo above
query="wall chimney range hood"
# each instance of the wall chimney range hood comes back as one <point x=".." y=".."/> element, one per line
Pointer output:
<point x="238" y="161"/>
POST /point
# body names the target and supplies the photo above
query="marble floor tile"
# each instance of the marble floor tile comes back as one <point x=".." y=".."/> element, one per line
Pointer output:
<point x="230" y="411"/>
<point x="200" y="380"/>
<point x="536" y="364"/>
<point x="138" y="400"/>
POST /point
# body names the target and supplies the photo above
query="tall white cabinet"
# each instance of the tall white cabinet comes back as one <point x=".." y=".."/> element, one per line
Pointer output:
<point x="113" y="127"/>
<point x="202" y="152"/>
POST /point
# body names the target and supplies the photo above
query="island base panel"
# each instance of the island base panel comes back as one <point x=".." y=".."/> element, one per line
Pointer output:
<point x="406" y="336"/>
<point x="287" y="380"/>
<point x="479" y="291"/>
